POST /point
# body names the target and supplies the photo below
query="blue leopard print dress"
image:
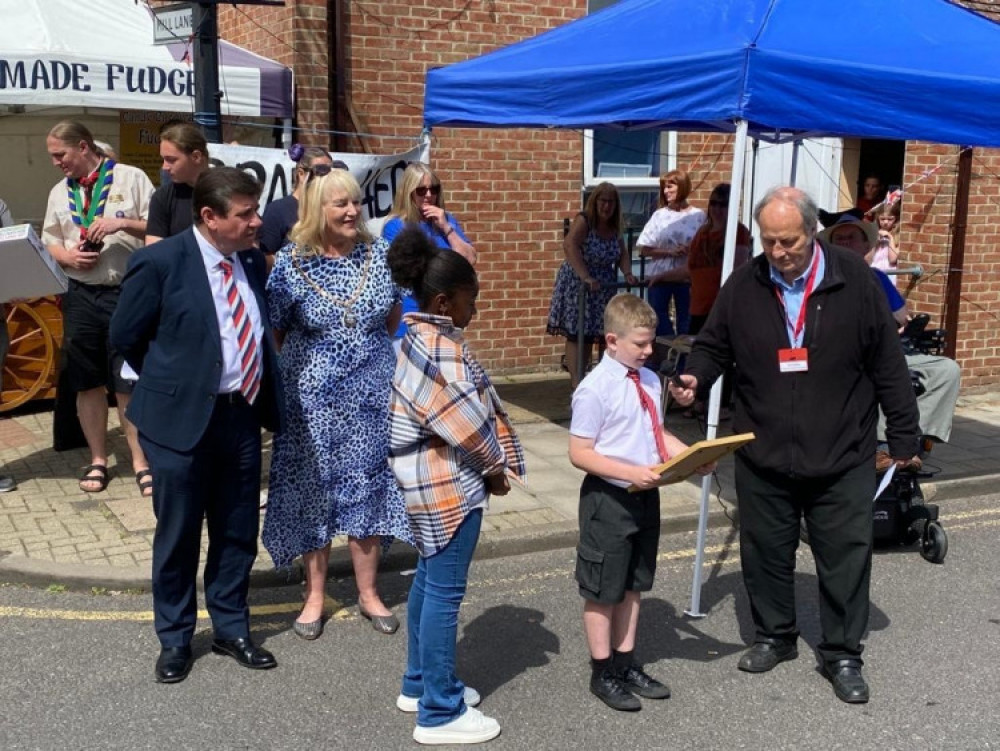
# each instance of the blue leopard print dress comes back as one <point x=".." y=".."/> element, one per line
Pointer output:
<point x="329" y="472"/>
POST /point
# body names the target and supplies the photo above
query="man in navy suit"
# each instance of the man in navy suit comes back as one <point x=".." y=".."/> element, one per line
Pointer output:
<point x="192" y="322"/>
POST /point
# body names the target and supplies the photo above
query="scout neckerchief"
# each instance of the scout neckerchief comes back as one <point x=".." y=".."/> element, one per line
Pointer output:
<point x="83" y="207"/>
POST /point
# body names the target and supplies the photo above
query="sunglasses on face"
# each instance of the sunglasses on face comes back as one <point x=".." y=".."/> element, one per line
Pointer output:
<point x="718" y="203"/>
<point x="319" y="170"/>
<point x="423" y="190"/>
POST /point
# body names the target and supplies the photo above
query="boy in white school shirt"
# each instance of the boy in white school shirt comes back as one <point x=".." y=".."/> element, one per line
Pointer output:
<point x="617" y="437"/>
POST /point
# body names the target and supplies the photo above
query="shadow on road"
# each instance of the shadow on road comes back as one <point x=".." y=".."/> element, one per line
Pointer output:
<point x="526" y="644"/>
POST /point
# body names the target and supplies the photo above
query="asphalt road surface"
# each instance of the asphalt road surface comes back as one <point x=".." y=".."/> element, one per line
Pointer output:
<point x="76" y="669"/>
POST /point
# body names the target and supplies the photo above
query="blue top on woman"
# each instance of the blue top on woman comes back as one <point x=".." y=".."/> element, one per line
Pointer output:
<point x="392" y="228"/>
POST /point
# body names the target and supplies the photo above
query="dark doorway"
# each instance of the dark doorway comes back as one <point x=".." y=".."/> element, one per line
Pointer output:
<point x="884" y="159"/>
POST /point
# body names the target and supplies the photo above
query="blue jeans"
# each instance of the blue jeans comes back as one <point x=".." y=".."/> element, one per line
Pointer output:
<point x="432" y="625"/>
<point x="659" y="296"/>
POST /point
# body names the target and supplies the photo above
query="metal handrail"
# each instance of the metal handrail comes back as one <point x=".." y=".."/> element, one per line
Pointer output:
<point x="916" y="271"/>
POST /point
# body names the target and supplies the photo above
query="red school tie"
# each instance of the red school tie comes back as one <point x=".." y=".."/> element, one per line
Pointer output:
<point x="249" y="362"/>
<point x="649" y="407"/>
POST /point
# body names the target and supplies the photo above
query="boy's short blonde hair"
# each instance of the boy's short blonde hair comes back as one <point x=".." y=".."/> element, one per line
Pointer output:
<point x="626" y="312"/>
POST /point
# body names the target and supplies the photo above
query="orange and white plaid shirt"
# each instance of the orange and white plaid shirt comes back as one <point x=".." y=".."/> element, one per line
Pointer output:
<point x="448" y="429"/>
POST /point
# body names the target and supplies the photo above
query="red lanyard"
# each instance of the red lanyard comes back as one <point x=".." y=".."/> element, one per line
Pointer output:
<point x="810" y="281"/>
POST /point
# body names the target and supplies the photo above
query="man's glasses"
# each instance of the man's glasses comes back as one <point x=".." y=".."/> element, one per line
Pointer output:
<point x="423" y="190"/>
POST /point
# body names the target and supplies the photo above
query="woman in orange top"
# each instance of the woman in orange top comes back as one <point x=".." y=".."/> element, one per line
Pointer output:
<point x="704" y="258"/>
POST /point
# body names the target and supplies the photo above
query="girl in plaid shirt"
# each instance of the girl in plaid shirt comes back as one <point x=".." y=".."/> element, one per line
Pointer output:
<point x="451" y="446"/>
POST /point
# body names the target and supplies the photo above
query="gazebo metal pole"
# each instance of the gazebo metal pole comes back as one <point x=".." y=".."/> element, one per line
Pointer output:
<point x="729" y="254"/>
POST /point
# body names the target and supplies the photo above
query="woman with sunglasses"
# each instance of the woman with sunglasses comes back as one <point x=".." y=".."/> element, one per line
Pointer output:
<point x="280" y="216"/>
<point x="704" y="259"/>
<point x="704" y="271"/>
<point x="419" y="201"/>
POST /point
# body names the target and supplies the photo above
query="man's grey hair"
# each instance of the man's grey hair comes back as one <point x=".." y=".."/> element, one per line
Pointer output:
<point x="799" y="199"/>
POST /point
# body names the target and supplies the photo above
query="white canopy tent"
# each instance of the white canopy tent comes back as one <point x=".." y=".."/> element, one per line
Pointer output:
<point x="64" y="53"/>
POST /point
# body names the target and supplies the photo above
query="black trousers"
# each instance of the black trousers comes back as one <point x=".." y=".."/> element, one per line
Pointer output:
<point x="218" y="481"/>
<point x="838" y="514"/>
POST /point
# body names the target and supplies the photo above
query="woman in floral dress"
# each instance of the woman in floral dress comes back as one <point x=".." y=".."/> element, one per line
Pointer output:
<point x="333" y="305"/>
<point x="595" y="253"/>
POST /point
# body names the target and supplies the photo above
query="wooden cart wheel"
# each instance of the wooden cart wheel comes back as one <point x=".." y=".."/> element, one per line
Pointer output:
<point x="30" y="359"/>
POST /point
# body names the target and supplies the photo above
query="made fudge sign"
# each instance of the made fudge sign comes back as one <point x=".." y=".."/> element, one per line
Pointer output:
<point x="165" y="86"/>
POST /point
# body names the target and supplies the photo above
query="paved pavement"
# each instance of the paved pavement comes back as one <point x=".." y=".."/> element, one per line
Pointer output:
<point x="52" y="533"/>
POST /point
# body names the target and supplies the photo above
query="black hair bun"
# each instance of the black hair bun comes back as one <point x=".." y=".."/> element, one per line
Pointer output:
<point x="409" y="254"/>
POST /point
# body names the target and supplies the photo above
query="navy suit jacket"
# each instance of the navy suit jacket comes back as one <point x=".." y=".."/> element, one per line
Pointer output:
<point x="165" y="327"/>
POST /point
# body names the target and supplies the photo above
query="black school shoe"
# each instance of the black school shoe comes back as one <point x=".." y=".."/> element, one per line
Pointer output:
<point x="608" y="687"/>
<point x="638" y="682"/>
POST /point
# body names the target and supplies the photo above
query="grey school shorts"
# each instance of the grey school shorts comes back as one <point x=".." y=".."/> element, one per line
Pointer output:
<point x="619" y="537"/>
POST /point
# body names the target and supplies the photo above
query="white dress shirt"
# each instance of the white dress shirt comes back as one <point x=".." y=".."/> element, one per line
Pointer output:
<point x="230" y="379"/>
<point x="607" y="409"/>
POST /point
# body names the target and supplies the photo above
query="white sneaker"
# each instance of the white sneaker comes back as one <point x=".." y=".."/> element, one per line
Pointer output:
<point x="409" y="703"/>
<point x="471" y="727"/>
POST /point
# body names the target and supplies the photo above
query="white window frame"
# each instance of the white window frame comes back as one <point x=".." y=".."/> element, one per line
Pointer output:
<point x="653" y="181"/>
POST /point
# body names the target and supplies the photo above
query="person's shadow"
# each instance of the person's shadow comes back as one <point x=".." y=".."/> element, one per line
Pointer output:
<point x="718" y="590"/>
<point x="526" y="644"/>
<point x="666" y="633"/>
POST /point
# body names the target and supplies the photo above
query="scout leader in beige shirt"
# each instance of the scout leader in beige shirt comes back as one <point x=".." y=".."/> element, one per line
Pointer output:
<point x="120" y="225"/>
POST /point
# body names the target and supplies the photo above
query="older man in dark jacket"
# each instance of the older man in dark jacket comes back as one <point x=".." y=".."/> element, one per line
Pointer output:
<point x="816" y="352"/>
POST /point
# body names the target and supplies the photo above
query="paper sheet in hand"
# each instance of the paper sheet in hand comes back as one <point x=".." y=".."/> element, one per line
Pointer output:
<point x="28" y="268"/>
<point x="886" y="478"/>
<point x="685" y="463"/>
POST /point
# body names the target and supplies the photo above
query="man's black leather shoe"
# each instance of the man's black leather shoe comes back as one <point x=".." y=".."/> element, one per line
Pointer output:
<point x="246" y="653"/>
<point x="173" y="664"/>
<point x="764" y="656"/>
<point x="848" y="683"/>
<point x="607" y="687"/>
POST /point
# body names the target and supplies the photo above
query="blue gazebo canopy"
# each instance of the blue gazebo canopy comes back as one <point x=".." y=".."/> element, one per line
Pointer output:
<point x="897" y="69"/>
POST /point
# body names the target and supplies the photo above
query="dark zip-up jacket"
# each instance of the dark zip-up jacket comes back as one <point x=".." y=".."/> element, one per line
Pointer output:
<point x="819" y="423"/>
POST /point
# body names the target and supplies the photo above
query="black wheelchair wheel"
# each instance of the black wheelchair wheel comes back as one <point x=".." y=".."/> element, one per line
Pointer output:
<point x="934" y="545"/>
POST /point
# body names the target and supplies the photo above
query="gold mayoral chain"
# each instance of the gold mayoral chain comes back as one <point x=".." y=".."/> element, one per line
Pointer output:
<point x="349" y="320"/>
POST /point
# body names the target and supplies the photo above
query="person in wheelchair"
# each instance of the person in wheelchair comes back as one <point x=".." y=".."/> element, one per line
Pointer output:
<point x="936" y="378"/>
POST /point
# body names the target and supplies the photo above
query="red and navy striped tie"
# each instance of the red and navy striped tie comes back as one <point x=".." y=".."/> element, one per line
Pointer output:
<point x="249" y="361"/>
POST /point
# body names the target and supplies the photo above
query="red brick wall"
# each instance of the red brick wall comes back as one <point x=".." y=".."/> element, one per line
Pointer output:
<point x="512" y="188"/>
<point x="509" y="188"/>
<point x="926" y="238"/>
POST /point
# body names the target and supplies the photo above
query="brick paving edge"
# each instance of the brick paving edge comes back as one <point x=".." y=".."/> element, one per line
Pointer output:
<point x="492" y="544"/>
